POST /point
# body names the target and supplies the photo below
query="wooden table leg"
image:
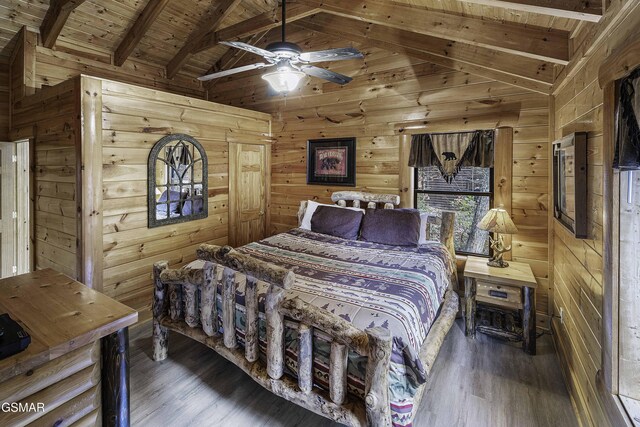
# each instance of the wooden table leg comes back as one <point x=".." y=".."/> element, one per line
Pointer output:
<point x="115" y="379"/>
<point x="470" y="307"/>
<point x="529" y="321"/>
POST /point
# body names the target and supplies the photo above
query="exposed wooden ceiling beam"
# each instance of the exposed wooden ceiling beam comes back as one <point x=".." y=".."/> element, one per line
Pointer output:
<point x="231" y="57"/>
<point x="533" y="42"/>
<point x="263" y="22"/>
<point x="54" y="20"/>
<point x="220" y="10"/>
<point x="583" y="10"/>
<point x="527" y="73"/>
<point x="139" y="28"/>
<point x="607" y="29"/>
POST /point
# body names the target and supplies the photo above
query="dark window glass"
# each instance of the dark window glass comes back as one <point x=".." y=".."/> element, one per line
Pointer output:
<point x="469" y="195"/>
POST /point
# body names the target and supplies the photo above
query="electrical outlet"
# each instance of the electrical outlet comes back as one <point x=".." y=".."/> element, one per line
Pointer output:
<point x="561" y="316"/>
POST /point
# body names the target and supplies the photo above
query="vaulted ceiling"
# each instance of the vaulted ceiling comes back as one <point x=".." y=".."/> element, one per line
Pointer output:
<point x="516" y="41"/>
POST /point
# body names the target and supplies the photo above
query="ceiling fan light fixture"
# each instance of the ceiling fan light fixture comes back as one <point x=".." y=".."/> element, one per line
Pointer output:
<point x="285" y="79"/>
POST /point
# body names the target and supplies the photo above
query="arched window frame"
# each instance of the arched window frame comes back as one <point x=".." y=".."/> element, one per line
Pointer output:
<point x="158" y="153"/>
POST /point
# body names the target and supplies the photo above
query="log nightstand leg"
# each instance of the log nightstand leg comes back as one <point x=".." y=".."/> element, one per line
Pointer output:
<point x="115" y="379"/>
<point x="470" y="307"/>
<point x="529" y="321"/>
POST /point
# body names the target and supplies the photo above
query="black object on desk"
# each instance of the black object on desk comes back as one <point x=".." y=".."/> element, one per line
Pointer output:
<point x="13" y="339"/>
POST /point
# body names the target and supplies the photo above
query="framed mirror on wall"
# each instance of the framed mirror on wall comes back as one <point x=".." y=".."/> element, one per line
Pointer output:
<point x="177" y="181"/>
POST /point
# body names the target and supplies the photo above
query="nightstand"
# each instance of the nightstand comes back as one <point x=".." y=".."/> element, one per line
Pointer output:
<point x="510" y="288"/>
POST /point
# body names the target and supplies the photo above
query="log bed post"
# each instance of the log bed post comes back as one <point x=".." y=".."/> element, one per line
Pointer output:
<point x="305" y="358"/>
<point x="275" y="332"/>
<point x="447" y="231"/>
<point x="229" y="308"/>
<point x="377" y="377"/>
<point x="208" y="308"/>
<point x="160" y="333"/>
<point x="251" y="337"/>
<point x="338" y="373"/>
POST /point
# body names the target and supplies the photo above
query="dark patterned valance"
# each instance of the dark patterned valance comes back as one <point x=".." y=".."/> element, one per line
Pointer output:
<point x="450" y="151"/>
<point x="627" y="154"/>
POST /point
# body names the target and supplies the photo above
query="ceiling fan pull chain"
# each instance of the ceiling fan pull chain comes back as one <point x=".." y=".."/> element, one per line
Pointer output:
<point x="284" y="18"/>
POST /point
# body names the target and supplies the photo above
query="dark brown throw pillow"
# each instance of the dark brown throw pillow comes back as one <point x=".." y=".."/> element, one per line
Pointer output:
<point x="394" y="227"/>
<point x="337" y="222"/>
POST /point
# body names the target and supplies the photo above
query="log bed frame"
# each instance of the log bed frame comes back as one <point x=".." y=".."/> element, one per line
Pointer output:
<point x="184" y="301"/>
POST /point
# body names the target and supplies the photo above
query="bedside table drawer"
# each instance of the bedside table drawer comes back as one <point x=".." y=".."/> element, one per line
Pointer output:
<point x="501" y="295"/>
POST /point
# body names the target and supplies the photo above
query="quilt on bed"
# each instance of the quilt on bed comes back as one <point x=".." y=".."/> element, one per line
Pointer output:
<point x="368" y="284"/>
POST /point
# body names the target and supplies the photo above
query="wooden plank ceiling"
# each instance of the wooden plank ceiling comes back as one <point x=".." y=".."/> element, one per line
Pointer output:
<point x="516" y="41"/>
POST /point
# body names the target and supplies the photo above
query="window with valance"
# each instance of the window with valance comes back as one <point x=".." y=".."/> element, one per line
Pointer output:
<point x="454" y="171"/>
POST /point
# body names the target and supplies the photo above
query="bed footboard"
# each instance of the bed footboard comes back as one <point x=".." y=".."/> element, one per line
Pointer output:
<point x="185" y="301"/>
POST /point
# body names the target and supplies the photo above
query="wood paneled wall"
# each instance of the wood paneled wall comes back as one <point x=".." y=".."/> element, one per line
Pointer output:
<point x="389" y="93"/>
<point x="102" y="235"/>
<point x="50" y="118"/>
<point x="578" y="263"/>
<point x="133" y="120"/>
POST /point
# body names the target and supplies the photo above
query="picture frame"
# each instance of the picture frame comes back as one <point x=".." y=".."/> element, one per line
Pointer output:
<point x="331" y="161"/>
<point x="570" y="183"/>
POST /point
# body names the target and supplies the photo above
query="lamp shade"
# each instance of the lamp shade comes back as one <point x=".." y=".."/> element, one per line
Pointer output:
<point x="285" y="79"/>
<point x="497" y="220"/>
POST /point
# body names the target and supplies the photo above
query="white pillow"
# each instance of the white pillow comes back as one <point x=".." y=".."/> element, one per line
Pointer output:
<point x="424" y="217"/>
<point x="311" y="208"/>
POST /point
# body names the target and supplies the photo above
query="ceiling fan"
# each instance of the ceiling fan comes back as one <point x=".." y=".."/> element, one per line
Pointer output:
<point x="291" y="63"/>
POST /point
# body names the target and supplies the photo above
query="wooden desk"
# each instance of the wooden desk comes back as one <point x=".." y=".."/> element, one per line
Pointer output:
<point x="62" y="366"/>
<point x="512" y="287"/>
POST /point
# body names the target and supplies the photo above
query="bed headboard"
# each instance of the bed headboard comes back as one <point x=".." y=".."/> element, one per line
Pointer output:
<point x="363" y="200"/>
<point x="358" y="198"/>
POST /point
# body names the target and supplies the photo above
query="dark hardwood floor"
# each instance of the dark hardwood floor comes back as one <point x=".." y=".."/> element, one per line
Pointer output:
<point x="485" y="382"/>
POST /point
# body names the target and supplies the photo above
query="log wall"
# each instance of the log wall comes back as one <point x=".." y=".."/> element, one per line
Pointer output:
<point x="578" y="263"/>
<point x="390" y="94"/>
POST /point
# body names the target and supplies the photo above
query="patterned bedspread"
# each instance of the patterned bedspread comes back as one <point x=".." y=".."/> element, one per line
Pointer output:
<point x="368" y="284"/>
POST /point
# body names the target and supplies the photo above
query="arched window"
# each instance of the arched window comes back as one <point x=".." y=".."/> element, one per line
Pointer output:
<point x="177" y="173"/>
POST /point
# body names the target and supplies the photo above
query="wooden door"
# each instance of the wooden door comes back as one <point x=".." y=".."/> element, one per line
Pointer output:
<point x="249" y="177"/>
<point x="8" y="210"/>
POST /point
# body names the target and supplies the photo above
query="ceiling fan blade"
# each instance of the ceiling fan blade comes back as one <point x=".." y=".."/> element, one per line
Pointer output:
<point x="233" y="71"/>
<point x="340" y="54"/>
<point x="249" y="48"/>
<point x="325" y="74"/>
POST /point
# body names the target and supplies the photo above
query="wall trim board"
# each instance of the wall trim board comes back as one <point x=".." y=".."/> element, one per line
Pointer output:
<point x="503" y="175"/>
<point x="89" y="181"/>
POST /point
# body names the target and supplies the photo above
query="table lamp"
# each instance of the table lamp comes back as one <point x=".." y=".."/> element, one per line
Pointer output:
<point x="498" y="221"/>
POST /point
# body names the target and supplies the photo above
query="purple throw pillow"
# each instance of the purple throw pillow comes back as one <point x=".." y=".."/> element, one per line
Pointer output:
<point x="337" y="222"/>
<point x="396" y="227"/>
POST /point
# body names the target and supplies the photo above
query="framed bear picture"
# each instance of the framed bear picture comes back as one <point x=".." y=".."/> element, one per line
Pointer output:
<point x="331" y="161"/>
